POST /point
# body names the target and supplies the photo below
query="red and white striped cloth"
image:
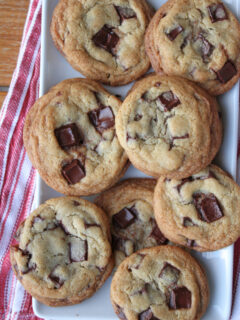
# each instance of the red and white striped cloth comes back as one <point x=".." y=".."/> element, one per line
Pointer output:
<point x="17" y="177"/>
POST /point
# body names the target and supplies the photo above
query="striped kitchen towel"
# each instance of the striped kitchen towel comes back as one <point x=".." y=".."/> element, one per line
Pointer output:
<point x="17" y="177"/>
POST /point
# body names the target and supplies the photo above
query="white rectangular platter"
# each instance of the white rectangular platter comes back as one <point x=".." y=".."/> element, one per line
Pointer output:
<point x="219" y="264"/>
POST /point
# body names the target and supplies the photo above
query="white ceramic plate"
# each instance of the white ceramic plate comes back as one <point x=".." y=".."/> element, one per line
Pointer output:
<point x="219" y="264"/>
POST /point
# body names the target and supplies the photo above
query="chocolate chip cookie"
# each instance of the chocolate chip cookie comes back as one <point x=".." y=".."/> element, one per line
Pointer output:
<point x="69" y="135"/>
<point x="129" y="206"/>
<point x="198" y="40"/>
<point x="157" y="283"/>
<point x="64" y="254"/>
<point x="201" y="212"/>
<point x="169" y="126"/>
<point x="104" y="40"/>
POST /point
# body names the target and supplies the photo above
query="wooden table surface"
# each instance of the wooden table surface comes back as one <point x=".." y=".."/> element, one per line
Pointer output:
<point x="12" y="17"/>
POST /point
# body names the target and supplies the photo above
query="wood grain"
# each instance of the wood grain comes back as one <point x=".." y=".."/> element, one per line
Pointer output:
<point x="12" y="18"/>
<point x="2" y="97"/>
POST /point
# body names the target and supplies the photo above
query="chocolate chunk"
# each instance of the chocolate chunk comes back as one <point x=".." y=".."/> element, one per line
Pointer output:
<point x="158" y="236"/>
<point x="207" y="206"/>
<point x="217" y="12"/>
<point x="147" y="315"/>
<point x="169" y="273"/>
<point x="120" y="313"/>
<point x="76" y="203"/>
<point x="191" y="243"/>
<point x="172" y="35"/>
<point x="106" y="39"/>
<point x="68" y="136"/>
<point x="227" y="72"/>
<point x="125" y="13"/>
<point x="180" y="298"/>
<point x="78" y="249"/>
<point x="58" y="282"/>
<point x="73" y="172"/>
<point x="124" y="218"/>
<point x="102" y="118"/>
<point x="187" y="222"/>
<point x="169" y="100"/>
<point x="138" y="117"/>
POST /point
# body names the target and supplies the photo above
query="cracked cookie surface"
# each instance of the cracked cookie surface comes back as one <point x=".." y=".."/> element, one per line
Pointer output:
<point x="163" y="282"/>
<point x="70" y="138"/>
<point x="200" y="212"/>
<point x="104" y="40"/>
<point x="129" y="206"/>
<point x="169" y="126"/>
<point x="64" y="254"/>
<point x="198" y="40"/>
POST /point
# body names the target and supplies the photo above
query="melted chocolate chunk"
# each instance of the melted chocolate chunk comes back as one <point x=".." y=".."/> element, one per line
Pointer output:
<point x="207" y="206"/>
<point x="58" y="282"/>
<point x="120" y="313"/>
<point x="68" y="136"/>
<point x="209" y="176"/>
<point x="147" y="315"/>
<point x="142" y="256"/>
<point x="125" y="13"/>
<point x="124" y="218"/>
<point x="141" y="291"/>
<point x="206" y="47"/>
<point x="217" y="12"/>
<point x="106" y="39"/>
<point x="171" y="144"/>
<point x="169" y="100"/>
<point x="172" y="35"/>
<point x="78" y="249"/>
<point x="73" y="172"/>
<point x="227" y="72"/>
<point x="76" y="203"/>
<point x="102" y="118"/>
<point x="158" y="236"/>
<point x="191" y="179"/>
<point x="187" y="222"/>
<point x="63" y="227"/>
<point x="180" y="298"/>
<point x="170" y="274"/>
<point x="118" y="244"/>
<point x="186" y="180"/>
<point x="89" y="225"/>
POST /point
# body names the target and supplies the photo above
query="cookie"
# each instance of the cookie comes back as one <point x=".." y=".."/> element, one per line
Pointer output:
<point x="69" y="135"/>
<point x="163" y="282"/>
<point x="200" y="212"/>
<point x="104" y="40"/>
<point x="169" y="126"/>
<point x="198" y="40"/>
<point x="64" y="254"/>
<point x="129" y="206"/>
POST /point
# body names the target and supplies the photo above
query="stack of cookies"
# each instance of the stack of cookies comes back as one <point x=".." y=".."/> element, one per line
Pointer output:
<point x="82" y="139"/>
